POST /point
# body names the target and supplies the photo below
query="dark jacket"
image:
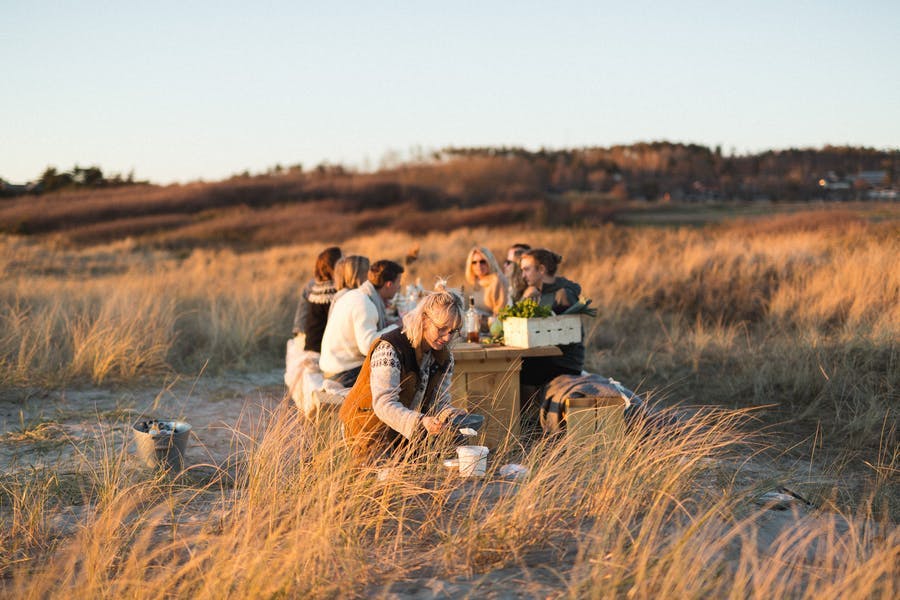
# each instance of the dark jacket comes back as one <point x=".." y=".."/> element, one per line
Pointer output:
<point x="560" y="295"/>
<point x="312" y="312"/>
<point x="367" y="434"/>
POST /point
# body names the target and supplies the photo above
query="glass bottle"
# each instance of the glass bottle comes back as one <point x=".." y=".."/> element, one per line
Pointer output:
<point x="473" y="322"/>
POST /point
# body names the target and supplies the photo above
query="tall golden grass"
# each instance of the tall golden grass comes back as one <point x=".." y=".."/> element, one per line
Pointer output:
<point x="799" y="311"/>
<point x="799" y="314"/>
<point x="640" y="516"/>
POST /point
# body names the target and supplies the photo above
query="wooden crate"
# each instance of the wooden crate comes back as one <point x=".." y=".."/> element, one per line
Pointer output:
<point x="545" y="331"/>
<point x="587" y="418"/>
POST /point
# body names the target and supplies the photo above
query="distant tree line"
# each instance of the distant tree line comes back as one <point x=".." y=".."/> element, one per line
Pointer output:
<point x="443" y="190"/>
<point x="52" y="180"/>
<point x="474" y="176"/>
<point x="664" y="170"/>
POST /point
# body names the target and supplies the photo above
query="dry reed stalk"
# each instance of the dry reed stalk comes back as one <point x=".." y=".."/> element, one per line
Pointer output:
<point x="796" y="311"/>
<point x="632" y="516"/>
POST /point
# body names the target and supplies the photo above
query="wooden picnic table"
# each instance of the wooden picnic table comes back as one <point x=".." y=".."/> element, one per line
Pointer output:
<point x="486" y="382"/>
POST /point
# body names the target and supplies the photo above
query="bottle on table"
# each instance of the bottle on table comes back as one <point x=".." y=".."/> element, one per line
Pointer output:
<point x="473" y="322"/>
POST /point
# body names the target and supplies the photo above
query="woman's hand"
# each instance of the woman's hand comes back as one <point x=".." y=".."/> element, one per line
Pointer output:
<point x="432" y="425"/>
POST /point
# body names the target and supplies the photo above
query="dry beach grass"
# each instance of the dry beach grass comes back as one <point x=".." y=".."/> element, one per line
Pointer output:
<point x="798" y="314"/>
<point x="641" y="517"/>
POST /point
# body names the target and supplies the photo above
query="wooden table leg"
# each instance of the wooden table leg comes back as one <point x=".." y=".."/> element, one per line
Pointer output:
<point x="490" y="388"/>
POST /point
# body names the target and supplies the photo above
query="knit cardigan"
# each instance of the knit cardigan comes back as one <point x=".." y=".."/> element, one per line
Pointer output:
<point x="368" y="435"/>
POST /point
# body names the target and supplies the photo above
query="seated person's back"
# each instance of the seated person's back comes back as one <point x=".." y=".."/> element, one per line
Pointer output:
<point x="356" y="319"/>
<point x="316" y="298"/>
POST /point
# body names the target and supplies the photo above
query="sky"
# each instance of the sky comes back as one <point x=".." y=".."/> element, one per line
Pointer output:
<point x="194" y="90"/>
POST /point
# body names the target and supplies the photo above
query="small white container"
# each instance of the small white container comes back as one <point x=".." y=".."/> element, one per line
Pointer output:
<point x="472" y="460"/>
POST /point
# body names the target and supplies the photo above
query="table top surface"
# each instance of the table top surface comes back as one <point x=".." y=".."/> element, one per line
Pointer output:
<point x="473" y="351"/>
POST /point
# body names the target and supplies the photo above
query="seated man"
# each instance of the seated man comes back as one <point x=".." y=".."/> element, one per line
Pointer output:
<point x="549" y="289"/>
<point x="357" y="318"/>
<point x="513" y="271"/>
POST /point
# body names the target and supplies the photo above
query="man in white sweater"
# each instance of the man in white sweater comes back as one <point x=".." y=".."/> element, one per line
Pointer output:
<point x="356" y="320"/>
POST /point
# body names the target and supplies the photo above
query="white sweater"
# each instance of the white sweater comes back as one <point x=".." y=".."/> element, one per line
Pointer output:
<point x="352" y="327"/>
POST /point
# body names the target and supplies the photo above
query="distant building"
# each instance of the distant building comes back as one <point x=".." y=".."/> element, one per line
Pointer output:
<point x="865" y="185"/>
<point x="871" y="178"/>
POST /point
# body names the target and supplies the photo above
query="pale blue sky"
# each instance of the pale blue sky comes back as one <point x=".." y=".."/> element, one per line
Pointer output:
<point x="179" y="91"/>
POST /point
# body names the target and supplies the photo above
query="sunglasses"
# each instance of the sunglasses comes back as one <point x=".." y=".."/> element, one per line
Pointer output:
<point x="479" y="262"/>
<point x="508" y="262"/>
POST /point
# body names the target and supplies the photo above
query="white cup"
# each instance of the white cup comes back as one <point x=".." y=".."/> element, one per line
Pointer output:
<point x="472" y="460"/>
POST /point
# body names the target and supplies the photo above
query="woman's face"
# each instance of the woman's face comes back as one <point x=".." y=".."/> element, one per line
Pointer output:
<point x="532" y="272"/>
<point x="480" y="266"/>
<point x="509" y="267"/>
<point x="438" y="336"/>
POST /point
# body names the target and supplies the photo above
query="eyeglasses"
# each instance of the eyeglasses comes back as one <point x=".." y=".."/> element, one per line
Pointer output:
<point x="479" y="262"/>
<point x="445" y="331"/>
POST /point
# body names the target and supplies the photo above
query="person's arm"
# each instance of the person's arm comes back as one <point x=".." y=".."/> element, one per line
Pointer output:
<point x="499" y="295"/>
<point x="531" y="293"/>
<point x="442" y="407"/>
<point x="302" y="309"/>
<point x="365" y="325"/>
<point x="563" y="299"/>
<point x="385" y="384"/>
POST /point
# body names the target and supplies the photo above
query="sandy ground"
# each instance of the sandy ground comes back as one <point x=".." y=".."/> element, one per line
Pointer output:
<point x="65" y="422"/>
<point x="214" y="406"/>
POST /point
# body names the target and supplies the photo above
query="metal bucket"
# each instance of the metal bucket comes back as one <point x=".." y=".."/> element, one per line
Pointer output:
<point x="165" y="449"/>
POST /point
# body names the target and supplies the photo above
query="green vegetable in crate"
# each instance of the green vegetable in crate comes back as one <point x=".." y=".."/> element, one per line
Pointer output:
<point x="581" y="308"/>
<point x="527" y="309"/>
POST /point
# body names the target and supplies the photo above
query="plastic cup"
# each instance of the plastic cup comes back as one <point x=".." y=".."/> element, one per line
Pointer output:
<point x="472" y="460"/>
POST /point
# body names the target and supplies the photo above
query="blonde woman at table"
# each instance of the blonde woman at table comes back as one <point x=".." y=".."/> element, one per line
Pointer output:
<point x="491" y="289"/>
<point x="402" y="394"/>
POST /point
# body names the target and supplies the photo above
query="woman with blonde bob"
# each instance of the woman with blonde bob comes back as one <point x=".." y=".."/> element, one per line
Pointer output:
<point x="485" y="275"/>
<point x="402" y="394"/>
<point x="350" y="272"/>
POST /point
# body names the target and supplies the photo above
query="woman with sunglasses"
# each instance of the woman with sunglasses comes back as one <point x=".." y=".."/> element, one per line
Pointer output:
<point x="490" y="286"/>
<point x="402" y="394"/>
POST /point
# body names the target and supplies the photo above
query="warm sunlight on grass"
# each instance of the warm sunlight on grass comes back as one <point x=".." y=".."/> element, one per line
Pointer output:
<point x="798" y="314"/>
<point x="656" y="515"/>
<point x="800" y="311"/>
